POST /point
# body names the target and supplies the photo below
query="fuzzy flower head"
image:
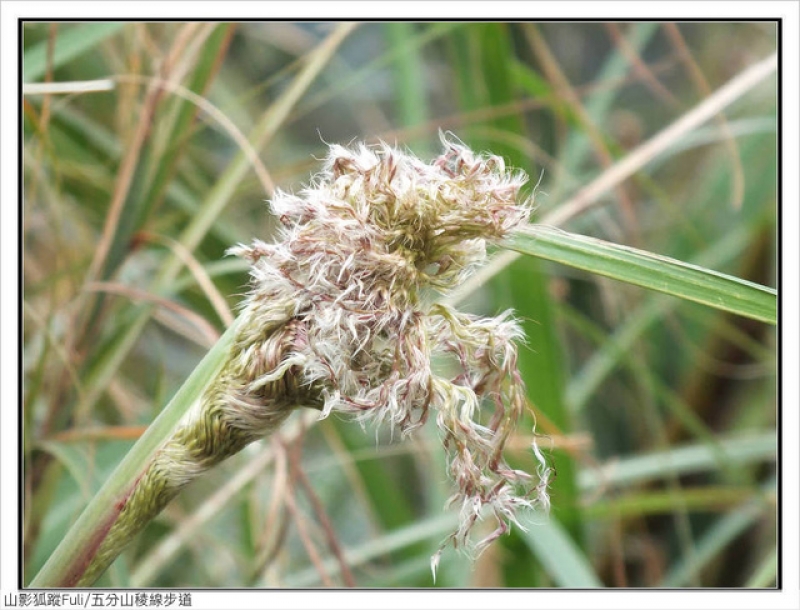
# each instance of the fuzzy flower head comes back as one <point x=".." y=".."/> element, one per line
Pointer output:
<point x="360" y="252"/>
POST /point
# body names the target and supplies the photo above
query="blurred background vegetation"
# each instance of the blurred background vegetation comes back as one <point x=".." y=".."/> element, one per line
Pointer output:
<point x="659" y="416"/>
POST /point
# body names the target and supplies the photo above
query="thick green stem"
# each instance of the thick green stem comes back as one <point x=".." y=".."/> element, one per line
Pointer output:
<point x="253" y="390"/>
<point x="99" y="515"/>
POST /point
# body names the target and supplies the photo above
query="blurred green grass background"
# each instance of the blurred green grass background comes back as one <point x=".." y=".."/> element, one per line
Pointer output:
<point x="659" y="416"/>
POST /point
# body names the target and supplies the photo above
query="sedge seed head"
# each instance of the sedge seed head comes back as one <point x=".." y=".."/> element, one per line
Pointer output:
<point x="359" y="250"/>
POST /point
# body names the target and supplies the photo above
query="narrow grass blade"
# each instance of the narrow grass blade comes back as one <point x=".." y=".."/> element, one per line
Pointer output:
<point x="562" y="559"/>
<point x="409" y="74"/>
<point x="766" y="574"/>
<point x="651" y="271"/>
<point x="585" y="382"/>
<point x="430" y="530"/>
<point x="720" y="535"/>
<point x="664" y="139"/>
<point x="69" y="44"/>
<point x="82" y="86"/>
<point x="600" y="103"/>
<point x="691" y="459"/>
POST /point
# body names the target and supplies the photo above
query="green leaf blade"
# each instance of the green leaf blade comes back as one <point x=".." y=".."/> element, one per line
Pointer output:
<point x="71" y="44"/>
<point x="566" y="564"/>
<point x="649" y="270"/>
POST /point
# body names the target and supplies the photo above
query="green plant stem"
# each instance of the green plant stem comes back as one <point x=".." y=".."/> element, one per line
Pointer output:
<point x="73" y="548"/>
<point x="204" y="424"/>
